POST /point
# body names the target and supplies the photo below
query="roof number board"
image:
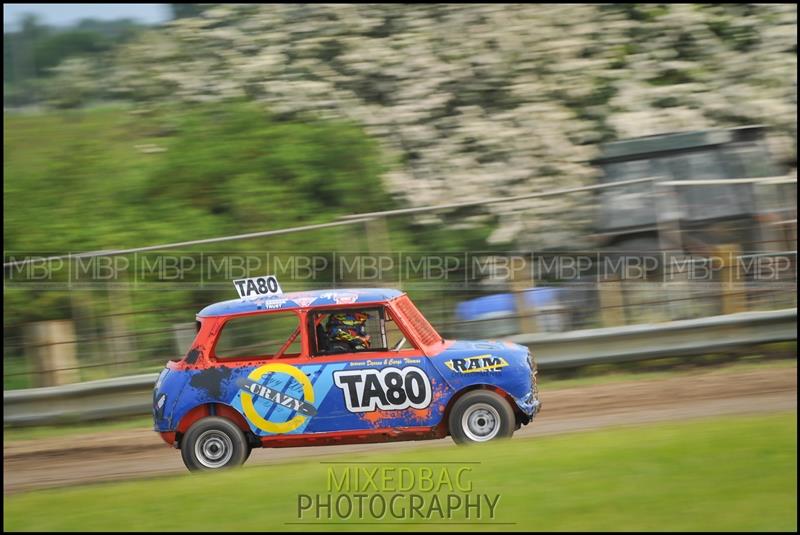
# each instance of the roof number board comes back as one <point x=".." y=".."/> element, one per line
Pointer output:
<point x="257" y="287"/>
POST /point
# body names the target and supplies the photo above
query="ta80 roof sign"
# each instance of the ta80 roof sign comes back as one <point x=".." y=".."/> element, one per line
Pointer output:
<point x="257" y="286"/>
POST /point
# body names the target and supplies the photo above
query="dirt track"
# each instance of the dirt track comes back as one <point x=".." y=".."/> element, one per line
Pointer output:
<point x="141" y="453"/>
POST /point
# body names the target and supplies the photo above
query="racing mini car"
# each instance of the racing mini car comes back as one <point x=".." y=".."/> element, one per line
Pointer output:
<point x="274" y="369"/>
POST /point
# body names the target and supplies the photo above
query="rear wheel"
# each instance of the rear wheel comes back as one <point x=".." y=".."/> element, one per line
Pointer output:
<point x="481" y="416"/>
<point x="214" y="443"/>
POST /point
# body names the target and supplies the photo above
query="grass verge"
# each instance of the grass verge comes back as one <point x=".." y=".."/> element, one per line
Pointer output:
<point x="723" y="474"/>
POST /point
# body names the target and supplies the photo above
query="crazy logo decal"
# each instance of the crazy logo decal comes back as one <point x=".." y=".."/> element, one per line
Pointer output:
<point x="252" y="387"/>
<point x="388" y="389"/>
<point x="481" y="363"/>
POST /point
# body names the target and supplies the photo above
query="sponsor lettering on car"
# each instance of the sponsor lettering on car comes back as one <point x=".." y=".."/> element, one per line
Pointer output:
<point x="387" y="389"/>
<point x="479" y="363"/>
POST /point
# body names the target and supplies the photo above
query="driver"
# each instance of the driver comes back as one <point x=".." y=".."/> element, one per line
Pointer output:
<point x="347" y="331"/>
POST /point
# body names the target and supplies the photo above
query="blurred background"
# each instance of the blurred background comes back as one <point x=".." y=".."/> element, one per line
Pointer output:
<point x="496" y="148"/>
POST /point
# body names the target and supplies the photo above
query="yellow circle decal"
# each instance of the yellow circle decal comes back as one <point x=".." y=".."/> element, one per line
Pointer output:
<point x="263" y="423"/>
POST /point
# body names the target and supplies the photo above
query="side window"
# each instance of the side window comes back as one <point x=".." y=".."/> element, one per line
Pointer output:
<point x="354" y="330"/>
<point x="347" y="330"/>
<point x="394" y="336"/>
<point x="263" y="335"/>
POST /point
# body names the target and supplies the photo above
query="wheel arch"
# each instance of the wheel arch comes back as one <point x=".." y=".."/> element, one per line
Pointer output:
<point x="218" y="409"/>
<point x="518" y="414"/>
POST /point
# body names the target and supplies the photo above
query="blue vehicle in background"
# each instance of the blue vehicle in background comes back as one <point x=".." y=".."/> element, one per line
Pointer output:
<point x="497" y="315"/>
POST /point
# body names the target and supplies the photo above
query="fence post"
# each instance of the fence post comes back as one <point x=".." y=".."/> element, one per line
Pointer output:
<point x="731" y="301"/>
<point x="118" y="343"/>
<point x="612" y="301"/>
<point x="526" y="312"/>
<point x="52" y="347"/>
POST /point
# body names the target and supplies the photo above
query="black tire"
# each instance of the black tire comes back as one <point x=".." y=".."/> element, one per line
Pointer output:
<point x="480" y="416"/>
<point x="213" y="443"/>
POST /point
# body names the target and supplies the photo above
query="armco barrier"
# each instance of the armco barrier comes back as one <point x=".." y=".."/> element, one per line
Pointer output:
<point x="675" y="338"/>
<point x="93" y="400"/>
<point x="127" y="396"/>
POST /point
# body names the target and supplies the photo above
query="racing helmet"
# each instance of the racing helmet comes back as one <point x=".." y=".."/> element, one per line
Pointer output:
<point x="349" y="328"/>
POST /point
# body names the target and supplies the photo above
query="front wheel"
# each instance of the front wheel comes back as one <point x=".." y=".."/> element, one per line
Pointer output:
<point x="214" y="443"/>
<point x="481" y="416"/>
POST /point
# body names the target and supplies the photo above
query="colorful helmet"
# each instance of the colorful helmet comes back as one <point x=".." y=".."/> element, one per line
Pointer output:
<point x="349" y="327"/>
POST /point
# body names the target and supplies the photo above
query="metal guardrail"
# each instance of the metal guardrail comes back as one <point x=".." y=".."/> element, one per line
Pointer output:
<point x="649" y="341"/>
<point x="127" y="396"/>
<point x="92" y="400"/>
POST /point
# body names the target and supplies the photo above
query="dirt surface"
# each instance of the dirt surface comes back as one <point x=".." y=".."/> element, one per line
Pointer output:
<point x="67" y="461"/>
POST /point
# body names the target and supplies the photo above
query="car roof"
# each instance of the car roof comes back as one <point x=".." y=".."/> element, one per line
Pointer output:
<point x="293" y="300"/>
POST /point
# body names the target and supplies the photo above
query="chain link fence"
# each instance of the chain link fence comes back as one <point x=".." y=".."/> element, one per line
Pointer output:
<point x="114" y="313"/>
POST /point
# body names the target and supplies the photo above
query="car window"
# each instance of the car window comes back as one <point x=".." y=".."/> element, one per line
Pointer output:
<point x="347" y="330"/>
<point x="354" y="330"/>
<point x="393" y="333"/>
<point x="424" y="330"/>
<point x="262" y="335"/>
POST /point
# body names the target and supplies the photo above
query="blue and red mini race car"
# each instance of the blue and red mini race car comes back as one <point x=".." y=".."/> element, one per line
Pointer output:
<point x="333" y="367"/>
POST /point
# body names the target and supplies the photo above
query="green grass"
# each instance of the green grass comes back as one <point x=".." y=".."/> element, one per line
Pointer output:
<point x="730" y="473"/>
<point x="545" y="382"/>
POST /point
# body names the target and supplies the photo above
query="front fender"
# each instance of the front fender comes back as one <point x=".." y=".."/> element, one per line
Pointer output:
<point x="505" y="366"/>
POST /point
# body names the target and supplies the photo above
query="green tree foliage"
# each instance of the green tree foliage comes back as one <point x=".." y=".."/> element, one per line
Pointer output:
<point x="106" y="179"/>
<point x="50" y="52"/>
<point x="238" y="164"/>
<point x="31" y="54"/>
<point x="90" y="180"/>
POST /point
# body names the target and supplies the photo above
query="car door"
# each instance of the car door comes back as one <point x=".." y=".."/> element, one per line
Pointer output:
<point x="379" y="388"/>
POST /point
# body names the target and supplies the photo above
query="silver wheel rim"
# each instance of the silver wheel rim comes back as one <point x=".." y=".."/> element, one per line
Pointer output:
<point x="481" y="422"/>
<point x="213" y="449"/>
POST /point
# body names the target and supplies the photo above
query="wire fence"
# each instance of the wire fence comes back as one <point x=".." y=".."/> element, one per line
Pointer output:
<point x="134" y="322"/>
